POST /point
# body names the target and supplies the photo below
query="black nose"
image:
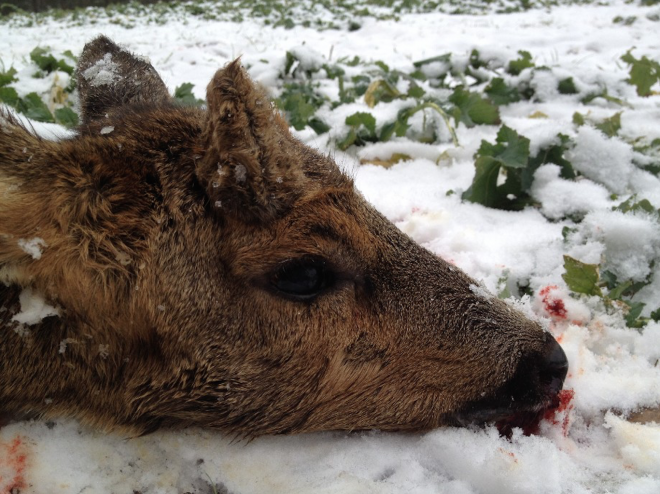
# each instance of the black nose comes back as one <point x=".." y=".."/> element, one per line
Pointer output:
<point x="553" y="366"/>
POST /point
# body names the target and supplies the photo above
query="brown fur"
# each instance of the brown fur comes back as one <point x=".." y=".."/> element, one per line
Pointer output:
<point x="163" y="239"/>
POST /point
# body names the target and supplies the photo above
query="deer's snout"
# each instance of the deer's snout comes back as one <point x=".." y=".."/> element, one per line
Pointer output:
<point x="553" y="366"/>
<point x="523" y="400"/>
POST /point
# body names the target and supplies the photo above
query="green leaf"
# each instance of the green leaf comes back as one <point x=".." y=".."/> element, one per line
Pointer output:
<point x="631" y="204"/>
<point x="398" y="127"/>
<point x="299" y="111"/>
<point x="484" y="186"/>
<point x="333" y="71"/>
<point x="48" y="63"/>
<point x="378" y="91"/>
<point x="609" y="278"/>
<point x="68" y="53"/>
<point x="318" y="125"/>
<point x="520" y="64"/>
<point x="9" y="96"/>
<point x="643" y="73"/>
<point x="618" y="291"/>
<point x="610" y="126"/>
<point x="581" y="277"/>
<point x="44" y="60"/>
<point x="515" y="152"/>
<point x="382" y="65"/>
<point x="184" y="95"/>
<point x="7" y="77"/>
<point x="501" y="93"/>
<point x="603" y="94"/>
<point x="472" y="109"/>
<point x="66" y="116"/>
<point x="634" y="312"/>
<point x="362" y="118"/>
<point x="578" y="119"/>
<point x="475" y="60"/>
<point x="34" y="108"/>
<point x="567" y="86"/>
<point x="416" y="91"/>
<point x="655" y="315"/>
<point x="511" y="152"/>
<point x="346" y="142"/>
<point x="290" y="60"/>
<point x="553" y="154"/>
<point x="446" y="58"/>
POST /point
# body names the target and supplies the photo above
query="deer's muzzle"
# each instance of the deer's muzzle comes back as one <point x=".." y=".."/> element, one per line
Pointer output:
<point x="526" y="397"/>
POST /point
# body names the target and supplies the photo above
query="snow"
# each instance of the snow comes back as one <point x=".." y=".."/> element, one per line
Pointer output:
<point x="103" y="72"/>
<point x="602" y="159"/>
<point x="561" y="198"/>
<point x="631" y="241"/>
<point x="33" y="246"/>
<point x="589" y="447"/>
<point x="34" y="308"/>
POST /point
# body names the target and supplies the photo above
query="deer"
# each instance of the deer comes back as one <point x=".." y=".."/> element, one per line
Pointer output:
<point x="204" y="267"/>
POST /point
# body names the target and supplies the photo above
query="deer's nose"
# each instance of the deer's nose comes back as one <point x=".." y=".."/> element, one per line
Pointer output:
<point x="553" y="365"/>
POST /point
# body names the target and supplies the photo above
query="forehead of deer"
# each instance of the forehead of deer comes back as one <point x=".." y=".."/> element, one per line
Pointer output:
<point x="326" y="222"/>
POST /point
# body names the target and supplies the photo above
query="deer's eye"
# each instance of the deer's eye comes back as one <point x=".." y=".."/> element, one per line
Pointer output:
<point x="302" y="279"/>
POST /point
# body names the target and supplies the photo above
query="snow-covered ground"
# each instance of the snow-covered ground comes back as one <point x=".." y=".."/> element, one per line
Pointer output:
<point x="589" y="446"/>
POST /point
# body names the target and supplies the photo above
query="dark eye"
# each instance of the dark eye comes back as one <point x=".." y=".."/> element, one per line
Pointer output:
<point x="302" y="279"/>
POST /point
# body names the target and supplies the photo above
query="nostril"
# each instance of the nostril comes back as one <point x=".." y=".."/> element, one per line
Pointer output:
<point x="554" y="366"/>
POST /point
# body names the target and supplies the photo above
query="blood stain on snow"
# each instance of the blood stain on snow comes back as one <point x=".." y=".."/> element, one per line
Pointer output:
<point x="13" y="463"/>
<point x="565" y="405"/>
<point x="509" y="453"/>
<point x="553" y="306"/>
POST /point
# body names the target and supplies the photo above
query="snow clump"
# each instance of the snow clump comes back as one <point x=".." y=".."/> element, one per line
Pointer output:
<point x="33" y="246"/>
<point x="34" y="308"/>
<point x="603" y="160"/>
<point x="103" y="72"/>
<point x="631" y="240"/>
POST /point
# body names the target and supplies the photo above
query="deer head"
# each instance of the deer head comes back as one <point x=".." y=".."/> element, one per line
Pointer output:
<point x="207" y="268"/>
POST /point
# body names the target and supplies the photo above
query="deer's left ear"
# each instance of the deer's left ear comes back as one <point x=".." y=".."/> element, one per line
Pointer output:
<point x="109" y="77"/>
<point x="252" y="167"/>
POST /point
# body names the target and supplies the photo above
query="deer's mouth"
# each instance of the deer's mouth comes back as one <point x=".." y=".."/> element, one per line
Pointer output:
<point x="533" y="393"/>
<point x="506" y="418"/>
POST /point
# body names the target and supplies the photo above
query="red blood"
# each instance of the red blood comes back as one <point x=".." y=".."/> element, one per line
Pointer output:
<point x="564" y="404"/>
<point x="553" y="306"/>
<point x="530" y="422"/>
<point x="14" y="458"/>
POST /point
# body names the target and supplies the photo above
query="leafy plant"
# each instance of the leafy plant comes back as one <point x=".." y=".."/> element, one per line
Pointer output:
<point x="581" y="277"/>
<point x="644" y="73"/>
<point x="588" y="279"/>
<point x="300" y="102"/>
<point x="34" y="108"/>
<point x="184" y="95"/>
<point x="8" y="77"/>
<point x="48" y="63"/>
<point x="501" y="93"/>
<point x="472" y="109"/>
<point x="524" y="62"/>
<point x="510" y="155"/>
<point x="362" y="129"/>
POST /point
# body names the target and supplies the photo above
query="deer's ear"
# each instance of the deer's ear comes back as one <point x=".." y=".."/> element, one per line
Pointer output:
<point x="110" y="77"/>
<point x="251" y="167"/>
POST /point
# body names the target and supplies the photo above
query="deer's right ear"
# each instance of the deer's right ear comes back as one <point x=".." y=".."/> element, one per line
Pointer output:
<point x="252" y="167"/>
<point x="110" y="77"/>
